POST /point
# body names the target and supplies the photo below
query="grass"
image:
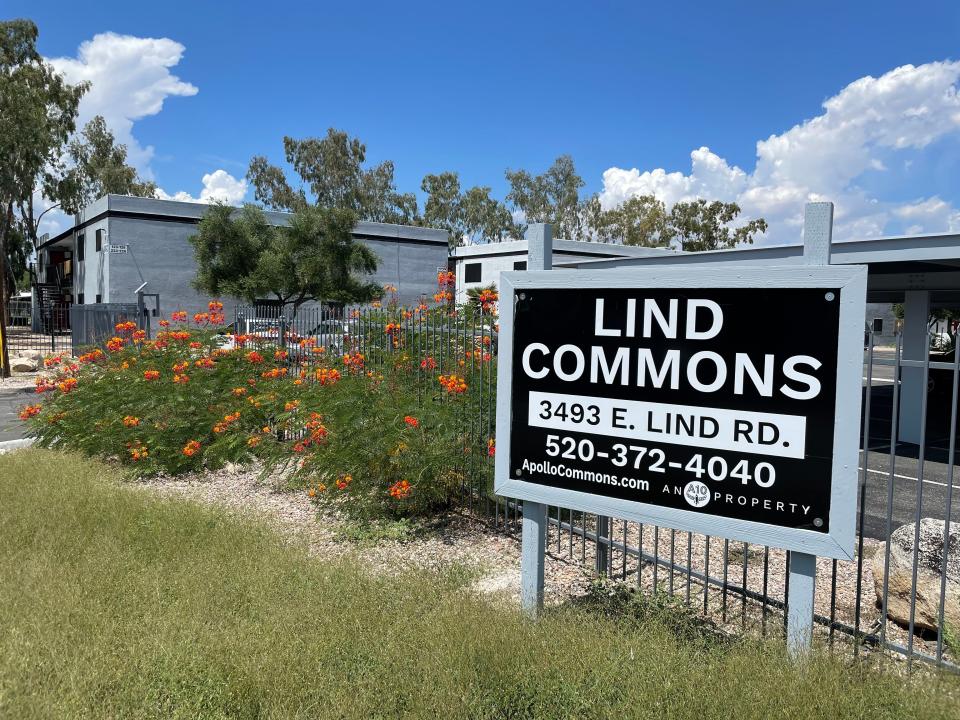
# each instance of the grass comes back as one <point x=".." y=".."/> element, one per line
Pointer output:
<point x="114" y="603"/>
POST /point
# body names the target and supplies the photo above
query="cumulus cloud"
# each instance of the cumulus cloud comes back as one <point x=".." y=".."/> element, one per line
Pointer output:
<point x="822" y="158"/>
<point x="218" y="186"/>
<point x="129" y="80"/>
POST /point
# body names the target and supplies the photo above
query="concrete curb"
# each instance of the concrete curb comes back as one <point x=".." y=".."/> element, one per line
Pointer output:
<point x="11" y="445"/>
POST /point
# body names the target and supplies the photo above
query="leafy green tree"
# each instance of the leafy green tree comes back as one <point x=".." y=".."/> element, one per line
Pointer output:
<point x="38" y="110"/>
<point x="701" y="225"/>
<point x="553" y="197"/>
<point x="442" y="209"/>
<point x="641" y="221"/>
<point x="332" y="175"/>
<point x="472" y="215"/>
<point x="99" y="168"/>
<point x="240" y="254"/>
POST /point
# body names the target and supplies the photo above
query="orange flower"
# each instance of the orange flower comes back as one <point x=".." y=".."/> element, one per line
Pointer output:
<point x="344" y="480"/>
<point x="254" y="357"/>
<point x="67" y="384"/>
<point x="131" y="421"/>
<point x="411" y="421"/>
<point x="191" y="448"/>
<point x="138" y="451"/>
<point x="30" y="411"/>
<point x="200" y="318"/>
<point x="115" y="344"/>
<point x="281" y="355"/>
<point x="428" y="364"/>
<point x="253" y="441"/>
<point x="51" y="361"/>
<point x="196" y="345"/>
<point x="205" y="363"/>
<point x="491" y="447"/>
<point x="179" y="316"/>
<point x="164" y="323"/>
<point x="125" y="327"/>
<point x="181" y="379"/>
<point x="215" y="306"/>
<point x="239" y="391"/>
<point x="327" y="377"/>
<point x="44" y="385"/>
<point x="139" y="335"/>
<point x="92" y="356"/>
<point x="291" y="405"/>
<point x="180" y="366"/>
<point x="400" y="490"/>
<point x="453" y="384"/>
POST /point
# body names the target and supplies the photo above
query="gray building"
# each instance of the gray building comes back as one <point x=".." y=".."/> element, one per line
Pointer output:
<point x="119" y="242"/>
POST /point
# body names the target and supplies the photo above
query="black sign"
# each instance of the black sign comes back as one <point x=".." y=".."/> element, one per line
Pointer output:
<point x="706" y="400"/>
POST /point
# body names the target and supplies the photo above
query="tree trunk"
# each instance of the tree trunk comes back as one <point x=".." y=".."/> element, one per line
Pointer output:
<point x="4" y="354"/>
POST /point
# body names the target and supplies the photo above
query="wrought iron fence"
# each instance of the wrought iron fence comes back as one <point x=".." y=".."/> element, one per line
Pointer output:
<point x="906" y="476"/>
<point x="33" y="331"/>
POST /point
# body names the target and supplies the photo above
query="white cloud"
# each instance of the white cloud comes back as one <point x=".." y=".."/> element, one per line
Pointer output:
<point x="822" y="158"/>
<point x="218" y="186"/>
<point x="129" y="79"/>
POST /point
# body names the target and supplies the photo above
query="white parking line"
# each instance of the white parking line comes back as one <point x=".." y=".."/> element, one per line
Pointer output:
<point x="907" y="477"/>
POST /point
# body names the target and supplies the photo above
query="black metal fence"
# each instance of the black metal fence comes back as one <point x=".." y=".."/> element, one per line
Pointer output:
<point x="32" y="332"/>
<point x="896" y="596"/>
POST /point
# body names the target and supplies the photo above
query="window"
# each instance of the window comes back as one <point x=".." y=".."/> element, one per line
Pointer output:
<point x="99" y="242"/>
<point x="520" y="265"/>
<point x="878" y="326"/>
<point x="98" y="298"/>
<point x="79" y="298"/>
<point x="471" y="272"/>
<point x="81" y="246"/>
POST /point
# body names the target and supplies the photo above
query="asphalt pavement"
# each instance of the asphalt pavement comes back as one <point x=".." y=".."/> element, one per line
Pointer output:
<point x="11" y="400"/>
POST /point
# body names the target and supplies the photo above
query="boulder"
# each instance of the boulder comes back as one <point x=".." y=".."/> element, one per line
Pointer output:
<point x="23" y="364"/>
<point x="929" y="566"/>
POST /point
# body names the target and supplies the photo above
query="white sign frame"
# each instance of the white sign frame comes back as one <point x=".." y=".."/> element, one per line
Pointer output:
<point x="851" y="280"/>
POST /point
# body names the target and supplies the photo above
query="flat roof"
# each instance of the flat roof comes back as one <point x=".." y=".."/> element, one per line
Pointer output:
<point x="153" y="209"/>
<point x="895" y="264"/>
<point x="566" y="247"/>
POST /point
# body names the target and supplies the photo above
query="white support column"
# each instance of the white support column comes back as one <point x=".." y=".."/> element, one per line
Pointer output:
<point x="534" y="533"/>
<point x="915" y="346"/>
<point x="817" y="236"/>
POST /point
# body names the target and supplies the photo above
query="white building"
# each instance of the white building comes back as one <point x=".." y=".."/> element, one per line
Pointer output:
<point x="478" y="266"/>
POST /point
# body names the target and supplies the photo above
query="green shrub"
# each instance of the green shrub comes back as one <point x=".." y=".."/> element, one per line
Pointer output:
<point x="390" y="432"/>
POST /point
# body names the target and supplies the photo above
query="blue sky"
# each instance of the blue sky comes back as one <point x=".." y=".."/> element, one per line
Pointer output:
<point x="481" y="87"/>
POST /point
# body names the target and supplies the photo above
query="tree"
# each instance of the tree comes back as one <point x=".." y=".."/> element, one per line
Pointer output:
<point x="99" y="168"/>
<point x="641" y="221"/>
<point x="700" y="225"/>
<point x="473" y="215"/>
<point x="553" y="197"/>
<point x="240" y="254"/>
<point x="37" y="115"/>
<point x="331" y="168"/>
<point x="442" y="209"/>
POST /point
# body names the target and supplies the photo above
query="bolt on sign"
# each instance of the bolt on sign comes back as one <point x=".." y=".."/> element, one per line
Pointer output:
<point x="722" y="402"/>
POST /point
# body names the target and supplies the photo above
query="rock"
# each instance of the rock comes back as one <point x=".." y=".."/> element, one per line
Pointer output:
<point x="929" y="565"/>
<point x="23" y="364"/>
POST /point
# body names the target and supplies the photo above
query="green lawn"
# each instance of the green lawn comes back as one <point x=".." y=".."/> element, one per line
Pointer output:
<point x="117" y="604"/>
